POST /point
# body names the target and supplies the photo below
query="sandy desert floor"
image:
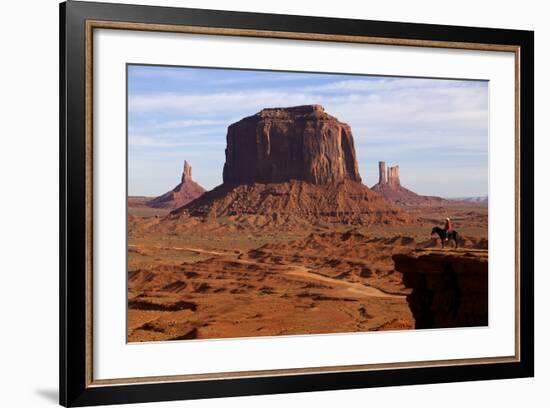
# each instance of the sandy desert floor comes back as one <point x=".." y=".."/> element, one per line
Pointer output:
<point x="230" y="278"/>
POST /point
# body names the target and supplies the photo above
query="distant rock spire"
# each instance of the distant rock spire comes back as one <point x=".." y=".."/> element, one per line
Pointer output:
<point x="393" y="176"/>
<point x="382" y="172"/>
<point x="388" y="175"/>
<point x="183" y="193"/>
<point x="187" y="172"/>
<point x="278" y="145"/>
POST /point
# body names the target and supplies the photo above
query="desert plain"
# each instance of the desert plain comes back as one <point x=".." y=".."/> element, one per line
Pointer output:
<point x="295" y="244"/>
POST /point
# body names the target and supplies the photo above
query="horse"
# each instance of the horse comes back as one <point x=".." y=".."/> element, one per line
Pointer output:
<point x="453" y="235"/>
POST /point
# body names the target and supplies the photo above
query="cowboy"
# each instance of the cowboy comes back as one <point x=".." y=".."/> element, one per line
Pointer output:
<point x="448" y="228"/>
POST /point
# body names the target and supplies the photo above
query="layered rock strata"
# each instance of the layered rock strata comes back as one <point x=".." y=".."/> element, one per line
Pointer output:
<point x="449" y="288"/>
<point x="282" y="144"/>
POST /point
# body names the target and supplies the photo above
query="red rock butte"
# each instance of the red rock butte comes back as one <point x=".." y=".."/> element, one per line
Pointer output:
<point x="186" y="191"/>
<point x="278" y="145"/>
<point x="292" y="165"/>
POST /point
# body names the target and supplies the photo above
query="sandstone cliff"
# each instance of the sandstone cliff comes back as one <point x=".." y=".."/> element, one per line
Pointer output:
<point x="186" y="191"/>
<point x="449" y="288"/>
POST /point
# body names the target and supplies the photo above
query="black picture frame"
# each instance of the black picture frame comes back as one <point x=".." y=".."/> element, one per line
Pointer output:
<point x="75" y="389"/>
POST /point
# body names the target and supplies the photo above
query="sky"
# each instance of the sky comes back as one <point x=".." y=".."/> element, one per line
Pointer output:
<point x="436" y="130"/>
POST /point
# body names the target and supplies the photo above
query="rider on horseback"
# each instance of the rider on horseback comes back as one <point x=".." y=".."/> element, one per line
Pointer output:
<point x="448" y="228"/>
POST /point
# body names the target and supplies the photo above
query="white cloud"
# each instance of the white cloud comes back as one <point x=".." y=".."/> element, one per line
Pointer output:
<point x="403" y="105"/>
<point x="155" y="127"/>
<point x="434" y="113"/>
<point x="140" y="140"/>
<point x="185" y="123"/>
<point x="226" y="103"/>
<point x="159" y="72"/>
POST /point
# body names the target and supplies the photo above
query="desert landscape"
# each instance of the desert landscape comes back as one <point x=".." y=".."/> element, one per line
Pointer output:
<point x="293" y="242"/>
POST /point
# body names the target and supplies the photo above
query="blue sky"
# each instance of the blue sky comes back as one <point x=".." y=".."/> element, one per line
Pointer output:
<point x="435" y="129"/>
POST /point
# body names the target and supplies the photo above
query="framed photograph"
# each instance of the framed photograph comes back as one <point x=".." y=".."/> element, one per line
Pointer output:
<point x="257" y="204"/>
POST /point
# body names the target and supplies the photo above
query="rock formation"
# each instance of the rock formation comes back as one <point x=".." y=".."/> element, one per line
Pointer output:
<point x="296" y="163"/>
<point x="382" y="173"/>
<point x="187" y="172"/>
<point x="282" y="144"/>
<point x="393" y="176"/>
<point x="449" y="288"/>
<point x="389" y="186"/>
<point x="183" y="193"/>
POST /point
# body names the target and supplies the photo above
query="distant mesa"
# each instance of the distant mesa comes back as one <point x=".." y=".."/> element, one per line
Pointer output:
<point x="472" y="200"/>
<point x="186" y="191"/>
<point x="389" y="186"/>
<point x="288" y="164"/>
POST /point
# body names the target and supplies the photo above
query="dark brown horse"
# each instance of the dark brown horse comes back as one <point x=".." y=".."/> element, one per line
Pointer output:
<point x="453" y="235"/>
